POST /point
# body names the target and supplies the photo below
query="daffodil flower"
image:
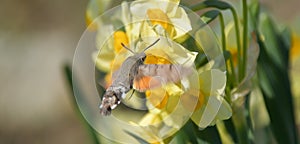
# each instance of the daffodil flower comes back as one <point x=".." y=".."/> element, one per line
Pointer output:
<point x="157" y="15"/>
<point x="141" y="18"/>
<point x="211" y="106"/>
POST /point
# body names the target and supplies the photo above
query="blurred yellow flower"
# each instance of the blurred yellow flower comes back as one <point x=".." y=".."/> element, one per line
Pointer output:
<point x="231" y="41"/>
<point x="94" y="9"/>
<point x="295" y="49"/>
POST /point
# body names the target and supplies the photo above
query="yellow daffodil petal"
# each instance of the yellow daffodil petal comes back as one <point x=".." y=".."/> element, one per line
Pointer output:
<point x="166" y="13"/>
<point x="212" y="82"/>
<point x="212" y="85"/>
<point x="173" y="90"/>
<point x="119" y="37"/>
<point x="181" y="22"/>
<point x="200" y="102"/>
<point x="211" y="112"/>
<point x="139" y="8"/>
<point x="158" y="17"/>
<point x="105" y="57"/>
<point x="151" y="59"/>
<point x="150" y="119"/>
<point x="225" y="112"/>
<point x="171" y="51"/>
<point x="158" y="97"/>
<point x="104" y="42"/>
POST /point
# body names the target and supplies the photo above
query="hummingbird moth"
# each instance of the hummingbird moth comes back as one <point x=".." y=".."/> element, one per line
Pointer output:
<point x="134" y="74"/>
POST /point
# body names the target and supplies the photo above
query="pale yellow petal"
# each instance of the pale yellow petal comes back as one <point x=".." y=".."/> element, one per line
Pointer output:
<point x="181" y="23"/>
<point x="172" y="51"/>
<point x="150" y="119"/>
<point x="173" y="90"/>
<point x="224" y="113"/>
<point x="212" y="82"/>
<point x="139" y="8"/>
<point x="207" y="114"/>
<point x="105" y="55"/>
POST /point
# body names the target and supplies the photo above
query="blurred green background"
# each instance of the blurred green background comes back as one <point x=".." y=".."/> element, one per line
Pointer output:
<point x="37" y="37"/>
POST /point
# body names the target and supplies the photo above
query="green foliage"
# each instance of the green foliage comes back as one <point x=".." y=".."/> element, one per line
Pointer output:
<point x="273" y="66"/>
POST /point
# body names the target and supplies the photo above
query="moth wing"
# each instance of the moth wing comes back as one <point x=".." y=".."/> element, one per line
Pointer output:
<point x="143" y="83"/>
<point x="154" y="75"/>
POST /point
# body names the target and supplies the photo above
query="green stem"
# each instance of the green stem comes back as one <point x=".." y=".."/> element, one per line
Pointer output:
<point x="238" y="42"/>
<point x="240" y="124"/>
<point x="222" y="24"/>
<point x="233" y="72"/>
<point x="231" y="75"/>
<point x="245" y="37"/>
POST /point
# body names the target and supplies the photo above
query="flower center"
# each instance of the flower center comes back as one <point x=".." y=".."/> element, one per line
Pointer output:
<point x="151" y="59"/>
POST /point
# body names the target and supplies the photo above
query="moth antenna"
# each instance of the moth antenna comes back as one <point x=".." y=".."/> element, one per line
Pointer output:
<point x="151" y="44"/>
<point x="127" y="48"/>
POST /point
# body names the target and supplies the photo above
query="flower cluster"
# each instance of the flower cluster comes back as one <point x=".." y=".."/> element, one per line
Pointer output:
<point x="142" y="22"/>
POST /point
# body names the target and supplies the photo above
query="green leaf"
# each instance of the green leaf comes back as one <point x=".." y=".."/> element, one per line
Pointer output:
<point x="274" y="44"/>
<point x="183" y="137"/>
<point x="254" y="9"/>
<point x="231" y="129"/>
<point x="209" y="134"/>
<point x="190" y="133"/>
<point x="216" y="4"/>
<point x="209" y="16"/>
<point x="273" y="66"/>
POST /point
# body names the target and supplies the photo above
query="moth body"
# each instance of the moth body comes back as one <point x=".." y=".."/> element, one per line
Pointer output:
<point x="122" y="83"/>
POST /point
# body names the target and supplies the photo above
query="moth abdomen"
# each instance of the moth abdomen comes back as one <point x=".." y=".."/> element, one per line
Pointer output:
<point x="109" y="101"/>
